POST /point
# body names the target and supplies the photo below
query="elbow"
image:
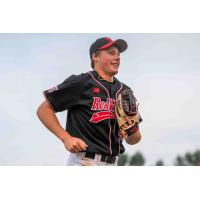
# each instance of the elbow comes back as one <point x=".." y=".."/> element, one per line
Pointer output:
<point x="41" y="109"/>
<point x="138" y="139"/>
<point x="38" y="111"/>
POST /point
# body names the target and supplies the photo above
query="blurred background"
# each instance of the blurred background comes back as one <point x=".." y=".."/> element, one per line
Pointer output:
<point x="162" y="69"/>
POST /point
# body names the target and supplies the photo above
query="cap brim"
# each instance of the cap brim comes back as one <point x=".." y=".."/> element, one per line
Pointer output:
<point x="121" y="45"/>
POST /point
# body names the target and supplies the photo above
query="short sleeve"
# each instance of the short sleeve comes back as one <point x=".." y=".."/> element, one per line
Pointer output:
<point x="66" y="94"/>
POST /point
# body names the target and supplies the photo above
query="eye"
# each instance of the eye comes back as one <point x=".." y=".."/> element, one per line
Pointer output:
<point x="111" y="52"/>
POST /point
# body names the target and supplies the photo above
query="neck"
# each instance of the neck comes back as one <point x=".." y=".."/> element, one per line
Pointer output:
<point x="105" y="76"/>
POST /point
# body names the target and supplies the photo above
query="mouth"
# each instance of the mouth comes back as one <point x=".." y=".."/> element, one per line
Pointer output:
<point x="115" y="64"/>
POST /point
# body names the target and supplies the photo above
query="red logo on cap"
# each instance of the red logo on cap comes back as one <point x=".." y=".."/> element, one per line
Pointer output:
<point x="109" y="40"/>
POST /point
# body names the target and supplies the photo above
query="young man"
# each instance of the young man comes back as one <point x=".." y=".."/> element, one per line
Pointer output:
<point x="92" y="134"/>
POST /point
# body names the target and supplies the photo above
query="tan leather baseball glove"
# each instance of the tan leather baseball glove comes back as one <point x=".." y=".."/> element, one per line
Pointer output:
<point x="127" y="114"/>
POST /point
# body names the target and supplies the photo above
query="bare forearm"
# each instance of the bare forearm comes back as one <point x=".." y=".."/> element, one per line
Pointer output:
<point x="135" y="138"/>
<point x="50" y="121"/>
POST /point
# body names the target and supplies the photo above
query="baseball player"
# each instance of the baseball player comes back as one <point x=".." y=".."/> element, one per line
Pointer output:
<point x="93" y="134"/>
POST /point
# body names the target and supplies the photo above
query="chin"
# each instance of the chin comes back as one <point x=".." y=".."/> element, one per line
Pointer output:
<point x="114" y="72"/>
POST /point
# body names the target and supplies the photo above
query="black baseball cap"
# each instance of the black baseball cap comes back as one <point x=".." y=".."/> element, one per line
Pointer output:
<point x="105" y="42"/>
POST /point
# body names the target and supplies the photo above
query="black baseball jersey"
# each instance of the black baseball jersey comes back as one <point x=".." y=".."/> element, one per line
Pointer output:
<point x="90" y="102"/>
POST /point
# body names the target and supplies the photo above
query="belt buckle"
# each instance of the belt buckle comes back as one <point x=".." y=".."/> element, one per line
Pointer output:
<point x="106" y="159"/>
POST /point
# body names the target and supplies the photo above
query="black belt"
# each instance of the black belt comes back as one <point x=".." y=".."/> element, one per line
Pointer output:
<point x="107" y="159"/>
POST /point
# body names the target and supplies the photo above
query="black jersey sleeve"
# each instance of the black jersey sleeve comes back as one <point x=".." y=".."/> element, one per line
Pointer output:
<point x="66" y="94"/>
<point x="127" y="87"/>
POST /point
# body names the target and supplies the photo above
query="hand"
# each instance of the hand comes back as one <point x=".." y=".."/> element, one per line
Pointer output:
<point x="127" y="129"/>
<point x="122" y="133"/>
<point x="74" y="145"/>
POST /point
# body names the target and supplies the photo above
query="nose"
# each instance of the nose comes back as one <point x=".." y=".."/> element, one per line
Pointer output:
<point x="117" y="57"/>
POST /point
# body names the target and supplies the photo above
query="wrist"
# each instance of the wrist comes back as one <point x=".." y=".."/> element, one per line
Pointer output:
<point x="64" y="136"/>
<point x="130" y="131"/>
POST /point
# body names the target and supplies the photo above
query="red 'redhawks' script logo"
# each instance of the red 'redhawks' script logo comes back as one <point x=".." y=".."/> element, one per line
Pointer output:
<point x="107" y="109"/>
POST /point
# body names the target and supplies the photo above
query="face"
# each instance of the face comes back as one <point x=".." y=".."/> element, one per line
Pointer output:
<point x="108" y="60"/>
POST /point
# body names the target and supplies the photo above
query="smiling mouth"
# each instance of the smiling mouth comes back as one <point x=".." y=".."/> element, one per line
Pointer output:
<point x="115" y="64"/>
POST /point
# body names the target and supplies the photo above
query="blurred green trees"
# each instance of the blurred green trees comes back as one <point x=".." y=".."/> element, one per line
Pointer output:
<point x="189" y="159"/>
<point x="123" y="160"/>
<point x="137" y="159"/>
<point x="159" y="163"/>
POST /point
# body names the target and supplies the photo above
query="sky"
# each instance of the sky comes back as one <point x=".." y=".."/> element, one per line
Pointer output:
<point x="162" y="69"/>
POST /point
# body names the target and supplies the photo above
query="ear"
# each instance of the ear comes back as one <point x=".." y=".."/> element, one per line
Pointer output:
<point x="94" y="56"/>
